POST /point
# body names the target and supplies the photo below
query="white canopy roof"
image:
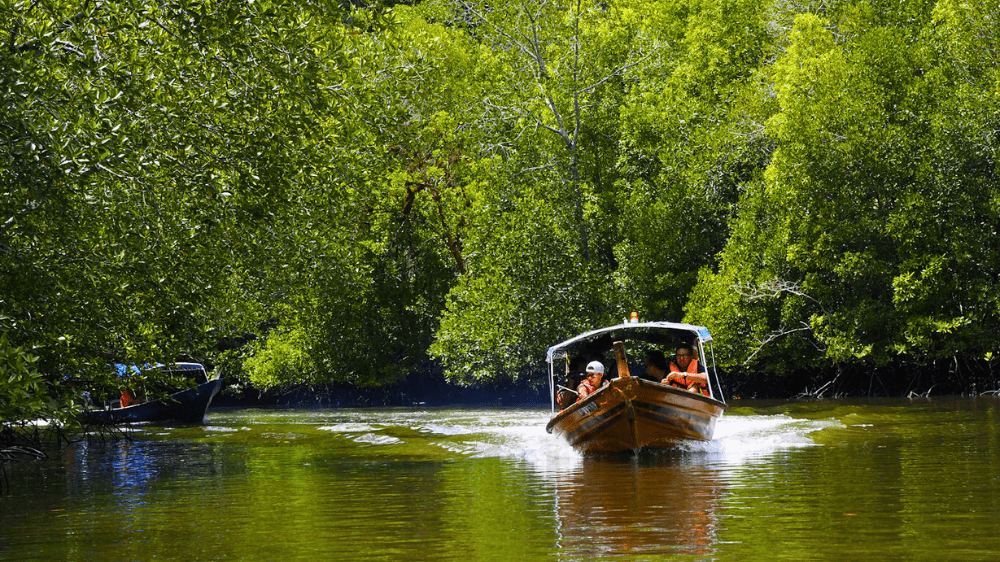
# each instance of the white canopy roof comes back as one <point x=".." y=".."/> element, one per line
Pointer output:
<point x="655" y="332"/>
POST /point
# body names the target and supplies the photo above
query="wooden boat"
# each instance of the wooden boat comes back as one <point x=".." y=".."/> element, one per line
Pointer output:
<point x="188" y="405"/>
<point x="630" y="413"/>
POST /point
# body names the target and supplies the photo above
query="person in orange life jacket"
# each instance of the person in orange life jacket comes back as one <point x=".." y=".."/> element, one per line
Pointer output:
<point x="574" y="376"/>
<point x="595" y="372"/>
<point x="687" y="372"/>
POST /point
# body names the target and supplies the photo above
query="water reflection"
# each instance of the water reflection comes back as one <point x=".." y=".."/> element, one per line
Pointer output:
<point x="132" y="469"/>
<point x="647" y="505"/>
<point x="788" y="482"/>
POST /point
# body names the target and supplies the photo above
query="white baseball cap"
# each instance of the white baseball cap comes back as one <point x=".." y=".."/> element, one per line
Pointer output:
<point x="595" y="367"/>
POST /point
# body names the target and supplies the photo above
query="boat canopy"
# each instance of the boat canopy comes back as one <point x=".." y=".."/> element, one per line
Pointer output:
<point x="664" y="334"/>
<point x="127" y="370"/>
<point x="651" y="332"/>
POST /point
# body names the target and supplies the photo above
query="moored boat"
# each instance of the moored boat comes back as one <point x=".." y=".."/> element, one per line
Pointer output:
<point x="629" y="412"/>
<point x="187" y="405"/>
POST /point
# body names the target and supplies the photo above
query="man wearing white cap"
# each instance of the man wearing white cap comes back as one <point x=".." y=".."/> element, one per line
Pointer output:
<point x="595" y="372"/>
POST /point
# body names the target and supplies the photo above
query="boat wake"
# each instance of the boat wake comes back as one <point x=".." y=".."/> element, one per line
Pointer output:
<point x="744" y="439"/>
<point x="520" y="435"/>
<point x="739" y="440"/>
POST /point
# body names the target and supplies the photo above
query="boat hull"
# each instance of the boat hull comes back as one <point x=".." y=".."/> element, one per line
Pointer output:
<point x="187" y="405"/>
<point x="631" y="414"/>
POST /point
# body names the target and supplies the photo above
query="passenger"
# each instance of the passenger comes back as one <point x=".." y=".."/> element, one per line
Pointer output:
<point x="687" y="372"/>
<point x="595" y="374"/>
<point x="566" y="396"/>
<point x="656" y="365"/>
<point x="575" y="371"/>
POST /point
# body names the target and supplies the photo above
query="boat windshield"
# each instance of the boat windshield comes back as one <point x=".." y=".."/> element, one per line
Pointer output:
<point x="567" y="357"/>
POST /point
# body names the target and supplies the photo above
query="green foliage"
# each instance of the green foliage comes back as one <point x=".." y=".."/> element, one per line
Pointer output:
<point x="142" y="146"/>
<point x="542" y="246"/>
<point x="372" y="254"/>
<point x="362" y="192"/>
<point x="865" y="240"/>
<point x="526" y="291"/>
<point x="281" y="358"/>
<point x="692" y="143"/>
<point x="25" y="395"/>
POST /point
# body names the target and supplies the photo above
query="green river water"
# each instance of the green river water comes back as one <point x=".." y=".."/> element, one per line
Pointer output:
<point x="832" y="480"/>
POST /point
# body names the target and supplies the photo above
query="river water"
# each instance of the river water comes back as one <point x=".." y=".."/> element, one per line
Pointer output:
<point x="834" y="480"/>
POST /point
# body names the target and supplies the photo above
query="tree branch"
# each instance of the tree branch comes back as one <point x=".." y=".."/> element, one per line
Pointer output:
<point x="773" y="336"/>
<point x="617" y="72"/>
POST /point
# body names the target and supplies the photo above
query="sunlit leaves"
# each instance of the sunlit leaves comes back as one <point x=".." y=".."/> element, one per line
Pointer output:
<point x="346" y="186"/>
<point x="144" y="148"/>
<point x="880" y="179"/>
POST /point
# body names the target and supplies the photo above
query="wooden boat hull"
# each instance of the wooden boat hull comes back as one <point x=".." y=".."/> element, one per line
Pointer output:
<point x="632" y="414"/>
<point x="187" y="405"/>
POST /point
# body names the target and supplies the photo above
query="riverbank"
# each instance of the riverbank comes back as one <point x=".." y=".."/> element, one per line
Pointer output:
<point x="940" y="378"/>
<point x="430" y="388"/>
<point x="420" y="388"/>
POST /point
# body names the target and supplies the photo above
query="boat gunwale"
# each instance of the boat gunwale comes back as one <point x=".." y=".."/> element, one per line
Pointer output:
<point x="124" y="415"/>
<point x="663" y="388"/>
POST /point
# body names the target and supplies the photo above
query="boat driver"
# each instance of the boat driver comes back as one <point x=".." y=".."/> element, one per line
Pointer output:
<point x="589" y="385"/>
<point x="687" y="372"/>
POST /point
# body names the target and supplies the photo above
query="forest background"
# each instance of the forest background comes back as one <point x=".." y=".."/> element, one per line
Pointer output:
<point x="311" y="193"/>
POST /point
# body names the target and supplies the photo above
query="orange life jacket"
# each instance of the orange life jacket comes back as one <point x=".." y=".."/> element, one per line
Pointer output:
<point x="687" y="383"/>
<point x="692" y="368"/>
<point x="590" y="390"/>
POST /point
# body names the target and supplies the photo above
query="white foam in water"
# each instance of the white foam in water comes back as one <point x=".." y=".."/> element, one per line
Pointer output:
<point x="348" y="428"/>
<point x="743" y="439"/>
<point x="738" y="440"/>
<point x="491" y="433"/>
<point x="458" y="448"/>
<point x="220" y="429"/>
<point x="440" y="429"/>
<point x="376" y="439"/>
<point x="521" y="435"/>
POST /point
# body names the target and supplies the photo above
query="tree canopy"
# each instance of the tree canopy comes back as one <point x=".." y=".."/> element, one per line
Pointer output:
<point x="319" y="192"/>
